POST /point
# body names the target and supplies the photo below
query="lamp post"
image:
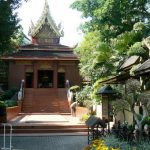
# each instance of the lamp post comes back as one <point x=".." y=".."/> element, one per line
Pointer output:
<point x="106" y="91"/>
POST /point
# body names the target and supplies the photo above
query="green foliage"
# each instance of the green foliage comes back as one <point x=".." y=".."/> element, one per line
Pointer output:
<point x="112" y="17"/>
<point x="8" y="94"/>
<point x="96" y="87"/>
<point x="84" y="96"/>
<point x="122" y="42"/>
<point x="6" y="97"/>
<point x="119" y="105"/>
<point x="103" y="60"/>
<point x="88" y="53"/>
<point x="74" y="88"/>
<point x="10" y="103"/>
<point x="147" y="121"/>
<point x="18" y="39"/>
<point x="132" y="86"/>
<point x="139" y="27"/>
<point x="130" y="42"/>
<point x="2" y="104"/>
<point x="112" y="141"/>
<point x="133" y="69"/>
<point x="9" y="26"/>
<point x="84" y="118"/>
<point x="94" y="57"/>
<point x="137" y="49"/>
<point x="129" y="100"/>
<point x="112" y="30"/>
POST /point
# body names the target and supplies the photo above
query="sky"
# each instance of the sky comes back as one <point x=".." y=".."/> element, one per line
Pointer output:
<point x="60" y="12"/>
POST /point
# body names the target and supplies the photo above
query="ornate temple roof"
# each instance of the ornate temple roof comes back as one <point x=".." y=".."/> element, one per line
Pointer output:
<point x="41" y="55"/>
<point x="46" y="46"/>
<point x="45" y="18"/>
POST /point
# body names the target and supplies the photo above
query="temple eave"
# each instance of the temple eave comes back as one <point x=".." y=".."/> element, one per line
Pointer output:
<point x="37" y="58"/>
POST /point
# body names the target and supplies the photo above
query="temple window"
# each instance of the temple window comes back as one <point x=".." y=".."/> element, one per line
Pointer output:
<point x="45" y="78"/>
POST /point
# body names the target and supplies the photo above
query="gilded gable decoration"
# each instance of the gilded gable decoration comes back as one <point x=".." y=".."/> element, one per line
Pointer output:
<point x="45" y="30"/>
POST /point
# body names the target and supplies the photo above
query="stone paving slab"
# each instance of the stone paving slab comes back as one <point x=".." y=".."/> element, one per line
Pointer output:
<point x="55" y="142"/>
<point x="39" y="119"/>
<point x="42" y="118"/>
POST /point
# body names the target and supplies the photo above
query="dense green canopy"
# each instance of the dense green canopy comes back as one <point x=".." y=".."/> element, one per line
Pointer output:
<point x="114" y="30"/>
<point x="112" y="17"/>
<point x="9" y="26"/>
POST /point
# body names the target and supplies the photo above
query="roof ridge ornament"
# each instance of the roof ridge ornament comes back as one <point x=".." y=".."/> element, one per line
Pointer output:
<point x="46" y="3"/>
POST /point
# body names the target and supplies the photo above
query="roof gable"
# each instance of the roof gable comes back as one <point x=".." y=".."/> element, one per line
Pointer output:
<point x="45" y="23"/>
<point x="129" y="62"/>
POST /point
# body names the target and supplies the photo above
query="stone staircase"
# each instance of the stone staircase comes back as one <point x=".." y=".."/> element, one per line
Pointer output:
<point x="45" y="123"/>
<point x="45" y="101"/>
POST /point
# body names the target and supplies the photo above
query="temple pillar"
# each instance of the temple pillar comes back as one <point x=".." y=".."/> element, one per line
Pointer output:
<point x="35" y="70"/>
<point x="55" y="73"/>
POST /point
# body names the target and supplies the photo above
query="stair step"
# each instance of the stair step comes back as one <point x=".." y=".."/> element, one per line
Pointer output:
<point x="47" y="100"/>
<point x="46" y="129"/>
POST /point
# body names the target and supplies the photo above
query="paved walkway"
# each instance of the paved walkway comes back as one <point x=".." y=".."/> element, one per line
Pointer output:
<point x="45" y="118"/>
<point x="54" y="142"/>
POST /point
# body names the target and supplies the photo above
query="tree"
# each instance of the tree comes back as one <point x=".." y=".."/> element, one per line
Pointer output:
<point x="133" y="97"/>
<point x="112" y="17"/>
<point x="130" y="43"/>
<point x="117" y="26"/>
<point x="9" y="26"/>
<point x="92" y="54"/>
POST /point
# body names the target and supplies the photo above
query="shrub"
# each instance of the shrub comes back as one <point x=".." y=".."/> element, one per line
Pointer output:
<point x="14" y="89"/>
<point x="84" y="117"/>
<point x="2" y="104"/>
<point x="147" y="121"/>
<point x="74" y="88"/>
<point x="112" y="142"/>
<point x="8" y="94"/>
<point x="10" y="103"/>
<point x="84" y="96"/>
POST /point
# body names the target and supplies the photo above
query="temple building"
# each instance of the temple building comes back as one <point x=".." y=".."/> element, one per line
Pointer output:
<point x="45" y="65"/>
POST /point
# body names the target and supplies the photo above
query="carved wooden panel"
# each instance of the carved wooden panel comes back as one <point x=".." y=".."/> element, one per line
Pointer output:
<point x="46" y="35"/>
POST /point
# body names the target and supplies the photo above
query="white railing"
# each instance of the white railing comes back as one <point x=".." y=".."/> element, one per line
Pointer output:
<point x="10" y="137"/>
<point x="21" y="91"/>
